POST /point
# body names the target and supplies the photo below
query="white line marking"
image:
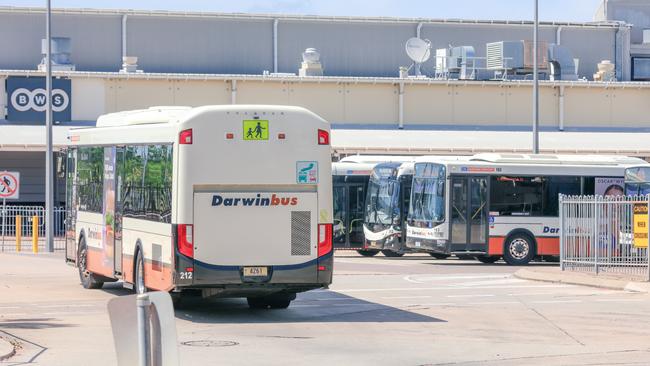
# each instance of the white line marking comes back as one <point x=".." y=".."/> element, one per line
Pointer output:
<point x="428" y="278"/>
<point x="15" y="314"/>
<point x="10" y="307"/>
<point x="406" y="297"/>
<point x="448" y="288"/>
<point x="434" y="304"/>
<point x="620" y="300"/>
<point x="556" y="302"/>
<point x="494" y="303"/>
<point x="477" y="295"/>
<point x="65" y="305"/>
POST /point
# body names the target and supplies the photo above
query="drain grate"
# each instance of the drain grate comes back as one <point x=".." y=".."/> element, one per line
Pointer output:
<point x="209" y="343"/>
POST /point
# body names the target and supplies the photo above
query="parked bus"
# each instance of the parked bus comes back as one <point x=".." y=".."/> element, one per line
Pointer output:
<point x="233" y="201"/>
<point x="387" y="202"/>
<point x="637" y="181"/>
<point x="502" y="205"/>
<point x="350" y="181"/>
<point x="350" y="178"/>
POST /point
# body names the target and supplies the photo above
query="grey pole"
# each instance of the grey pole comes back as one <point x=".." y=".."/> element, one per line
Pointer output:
<point x="49" y="176"/>
<point x="535" y="85"/>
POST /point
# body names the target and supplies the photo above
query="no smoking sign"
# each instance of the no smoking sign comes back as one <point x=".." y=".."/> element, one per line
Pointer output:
<point x="9" y="185"/>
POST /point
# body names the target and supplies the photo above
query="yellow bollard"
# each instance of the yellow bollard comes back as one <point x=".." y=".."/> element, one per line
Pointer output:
<point x="19" y="232"/>
<point x="35" y="234"/>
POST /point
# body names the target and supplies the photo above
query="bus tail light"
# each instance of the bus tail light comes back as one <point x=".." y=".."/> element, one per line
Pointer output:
<point x="324" y="239"/>
<point x="323" y="137"/>
<point x="185" y="239"/>
<point x="185" y="137"/>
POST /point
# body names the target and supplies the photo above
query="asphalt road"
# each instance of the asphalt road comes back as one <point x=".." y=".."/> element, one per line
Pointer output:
<point x="381" y="311"/>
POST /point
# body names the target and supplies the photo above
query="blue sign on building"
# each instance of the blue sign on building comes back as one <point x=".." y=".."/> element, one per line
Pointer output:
<point x="27" y="99"/>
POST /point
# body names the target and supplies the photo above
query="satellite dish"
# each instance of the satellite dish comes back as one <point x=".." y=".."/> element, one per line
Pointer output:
<point x="418" y="50"/>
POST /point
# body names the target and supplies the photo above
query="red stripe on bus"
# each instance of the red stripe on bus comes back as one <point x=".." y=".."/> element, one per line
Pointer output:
<point x="495" y="245"/>
<point x="548" y="246"/>
<point x="545" y="245"/>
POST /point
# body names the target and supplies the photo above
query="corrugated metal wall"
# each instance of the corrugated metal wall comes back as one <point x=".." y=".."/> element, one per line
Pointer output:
<point x="245" y="46"/>
<point x="31" y="165"/>
<point x="96" y="40"/>
<point x="194" y="45"/>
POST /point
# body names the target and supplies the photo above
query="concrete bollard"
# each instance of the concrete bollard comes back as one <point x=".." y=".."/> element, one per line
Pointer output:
<point x="35" y="234"/>
<point x="19" y="232"/>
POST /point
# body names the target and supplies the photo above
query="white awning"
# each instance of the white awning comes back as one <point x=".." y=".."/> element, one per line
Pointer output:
<point x="31" y="138"/>
<point x="412" y="142"/>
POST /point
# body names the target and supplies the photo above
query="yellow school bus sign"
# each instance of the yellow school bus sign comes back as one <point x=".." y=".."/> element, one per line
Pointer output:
<point x="256" y="129"/>
<point x="640" y="225"/>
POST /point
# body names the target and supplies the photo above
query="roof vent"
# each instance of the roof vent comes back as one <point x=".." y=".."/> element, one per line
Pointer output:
<point x="60" y="55"/>
<point x="129" y="64"/>
<point x="311" y="65"/>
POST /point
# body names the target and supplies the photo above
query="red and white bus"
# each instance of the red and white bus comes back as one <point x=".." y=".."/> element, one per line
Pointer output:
<point x="234" y="201"/>
<point x="494" y="206"/>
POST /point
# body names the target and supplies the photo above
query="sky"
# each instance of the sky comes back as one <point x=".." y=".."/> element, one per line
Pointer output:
<point x="549" y="10"/>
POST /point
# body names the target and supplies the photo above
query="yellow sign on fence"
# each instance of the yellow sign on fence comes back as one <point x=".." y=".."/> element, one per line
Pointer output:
<point x="640" y="225"/>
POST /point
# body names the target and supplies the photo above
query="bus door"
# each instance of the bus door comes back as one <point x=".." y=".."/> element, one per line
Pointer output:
<point x="348" y="215"/>
<point x="406" y="185"/>
<point x="117" y="222"/>
<point x="469" y="213"/>
<point x="71" y="206"/>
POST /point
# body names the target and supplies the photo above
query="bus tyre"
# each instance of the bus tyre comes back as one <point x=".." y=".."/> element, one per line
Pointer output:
<point x="368" y="253"/>
<point x="88" y="279"/>
<point x="519" y="250"/>
<point x="439" y="255"/>
<point x="138" y="274"/>
<point x="391" y="254"/>
<point x="488" y="259"/>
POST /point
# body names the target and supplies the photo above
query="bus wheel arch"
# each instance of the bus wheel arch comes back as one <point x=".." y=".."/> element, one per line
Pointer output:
<point x="519" y="247"/>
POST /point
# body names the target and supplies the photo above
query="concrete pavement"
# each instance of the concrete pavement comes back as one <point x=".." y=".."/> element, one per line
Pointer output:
<point x="383" y="311"/>
<point x="603" y="280"/>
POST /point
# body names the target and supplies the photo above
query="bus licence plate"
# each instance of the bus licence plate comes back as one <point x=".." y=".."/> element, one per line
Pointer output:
<point x="255" y="271"/>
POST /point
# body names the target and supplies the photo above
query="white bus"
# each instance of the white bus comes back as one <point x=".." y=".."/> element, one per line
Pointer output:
<point x="502" y="205"/>
<point x="234" y="201"/>
<point x="637" y="181"/>
<point x="387" y="202"/>
<point x="350" y="178"/>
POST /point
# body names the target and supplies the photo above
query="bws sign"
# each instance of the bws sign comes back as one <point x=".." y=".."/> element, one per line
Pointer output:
<point x="27" y="99"/>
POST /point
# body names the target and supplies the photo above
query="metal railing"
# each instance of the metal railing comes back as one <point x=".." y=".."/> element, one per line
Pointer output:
<point x="18" y="224"/>
<point x="605" y="235"/>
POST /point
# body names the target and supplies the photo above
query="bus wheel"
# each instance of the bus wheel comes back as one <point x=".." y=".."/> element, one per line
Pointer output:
<point x="488" y="259"/>
<point x="439" y="255"/>
<point x="391" y="254"/>
<point x="138" y="275"/>
<point x="368" y="253"/>
<point x="519" y="250"/>
<point x="88" y="279"/>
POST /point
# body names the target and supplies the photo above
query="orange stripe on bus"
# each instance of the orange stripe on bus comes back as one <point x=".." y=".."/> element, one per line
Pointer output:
<point x="545" y="246"/>
<point x="548" y="246"/>
<point x="495" y="245"/>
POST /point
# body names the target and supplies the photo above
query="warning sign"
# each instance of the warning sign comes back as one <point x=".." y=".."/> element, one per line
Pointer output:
<point x="9" y="185"/>
<point x="640" y="225"/>
<point x="256" y="129"/>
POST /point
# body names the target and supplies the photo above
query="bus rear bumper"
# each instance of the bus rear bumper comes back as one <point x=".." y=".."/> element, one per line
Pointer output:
<point x="229" y="281"/>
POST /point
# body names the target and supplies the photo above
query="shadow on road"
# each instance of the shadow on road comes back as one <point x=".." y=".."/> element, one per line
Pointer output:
<point x="32" y="323"/>
<point x="310" y="307"/>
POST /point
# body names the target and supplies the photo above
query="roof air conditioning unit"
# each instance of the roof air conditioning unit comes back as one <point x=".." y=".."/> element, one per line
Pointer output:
<point x="60" y="55"/>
